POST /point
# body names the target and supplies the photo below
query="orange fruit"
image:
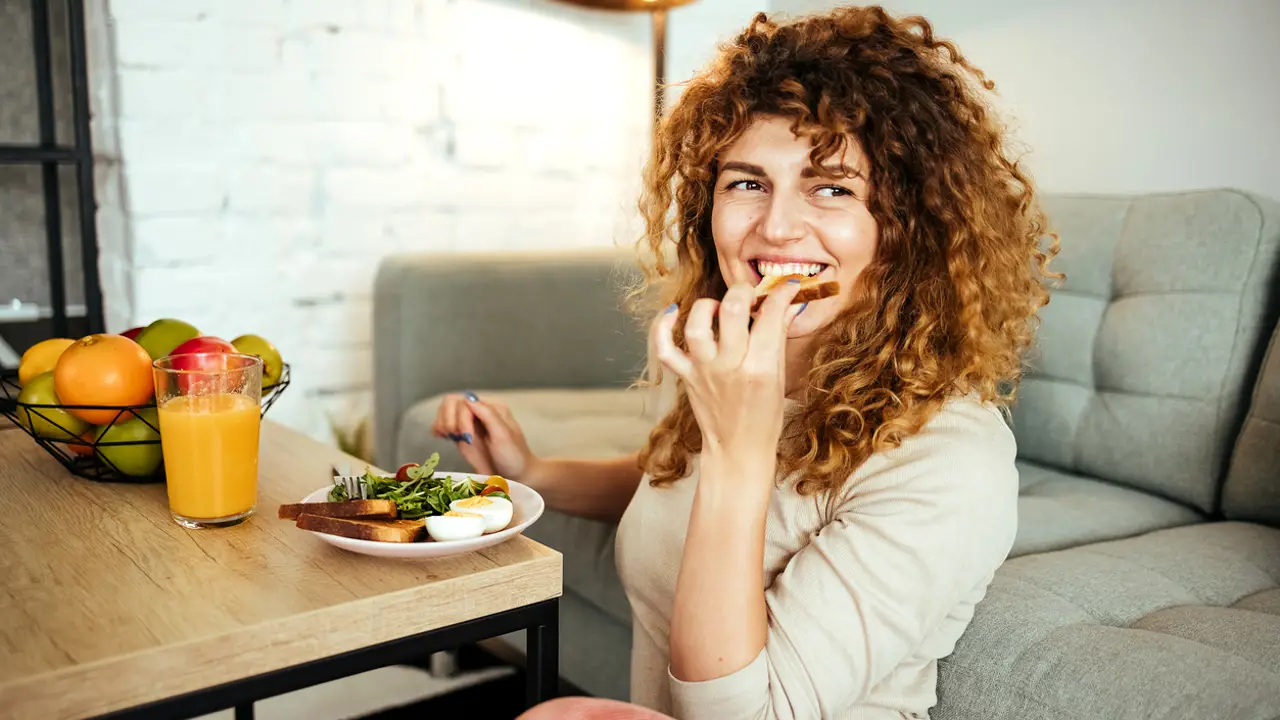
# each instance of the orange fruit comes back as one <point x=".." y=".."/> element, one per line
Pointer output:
<point x="41" y="358"/>
<point x="86" y="446"/>
<point x="103" y="370"/>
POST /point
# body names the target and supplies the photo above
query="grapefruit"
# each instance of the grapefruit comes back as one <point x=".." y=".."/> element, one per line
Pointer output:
<point x="41" y="358"/>
<point x="103" y="369"/>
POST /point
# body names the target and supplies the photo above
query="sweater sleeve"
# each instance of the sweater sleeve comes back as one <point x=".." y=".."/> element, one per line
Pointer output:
<point x="923" y="527"/>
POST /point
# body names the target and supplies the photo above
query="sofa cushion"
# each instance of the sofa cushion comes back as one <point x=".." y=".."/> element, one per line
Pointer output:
<point x="1147" y="352"/>
<point x="558" y="423"/>
<point x="1179" y="624"/>
<point x="1252" y="491"/>
<point x="1058" y="510"/>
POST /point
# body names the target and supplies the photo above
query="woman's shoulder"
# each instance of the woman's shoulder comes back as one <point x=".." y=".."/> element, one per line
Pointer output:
<point x="965" y="452"/>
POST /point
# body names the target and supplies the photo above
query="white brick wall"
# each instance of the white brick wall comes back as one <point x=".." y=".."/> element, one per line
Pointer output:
<point x="272" y="152"/>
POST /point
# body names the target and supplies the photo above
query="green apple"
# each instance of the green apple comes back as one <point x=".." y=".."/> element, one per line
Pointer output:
<point x="52" y="423"/>
<point x="272" y="363"/>
<point x="162" y="336"/>
<point x="133" y="460"/>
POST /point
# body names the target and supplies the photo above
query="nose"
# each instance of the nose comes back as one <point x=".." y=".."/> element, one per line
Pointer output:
<point x="784" y="220"/>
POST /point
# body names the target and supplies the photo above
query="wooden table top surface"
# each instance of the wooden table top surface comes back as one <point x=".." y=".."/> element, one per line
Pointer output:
<point x="106" y="603"/>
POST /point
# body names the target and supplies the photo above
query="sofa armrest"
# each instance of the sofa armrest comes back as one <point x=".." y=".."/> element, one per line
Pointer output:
<point x="448" y="322"/>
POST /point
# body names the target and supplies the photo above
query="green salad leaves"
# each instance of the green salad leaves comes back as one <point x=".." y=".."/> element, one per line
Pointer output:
<point x="424" y="494"/>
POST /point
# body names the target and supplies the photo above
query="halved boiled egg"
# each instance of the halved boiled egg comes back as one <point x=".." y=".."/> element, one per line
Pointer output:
<point x="455" y="525"/>
<point x="496" y="511"/>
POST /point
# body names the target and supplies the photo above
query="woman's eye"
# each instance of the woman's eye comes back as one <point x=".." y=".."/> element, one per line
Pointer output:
<point x="832" y="191"/>
<point x="744" y="185"/>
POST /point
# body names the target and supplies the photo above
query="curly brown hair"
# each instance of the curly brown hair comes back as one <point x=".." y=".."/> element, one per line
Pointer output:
<point x="947" y="307"/>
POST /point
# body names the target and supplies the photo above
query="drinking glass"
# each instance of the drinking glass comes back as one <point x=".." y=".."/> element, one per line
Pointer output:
<point x="210" y="419"/>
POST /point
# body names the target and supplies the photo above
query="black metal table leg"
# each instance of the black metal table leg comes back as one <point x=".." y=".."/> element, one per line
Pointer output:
<point x="244" y="712"/>
<point x="542" y="650"/>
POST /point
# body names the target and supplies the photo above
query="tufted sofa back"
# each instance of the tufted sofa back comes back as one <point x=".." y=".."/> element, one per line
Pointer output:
<point x="1148" y="352"/>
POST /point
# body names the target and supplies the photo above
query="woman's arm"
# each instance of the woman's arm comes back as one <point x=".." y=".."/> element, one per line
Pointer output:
<point x="719" y="622"/>
<point x="593" y="489"/>
<point x="491" y="440"/>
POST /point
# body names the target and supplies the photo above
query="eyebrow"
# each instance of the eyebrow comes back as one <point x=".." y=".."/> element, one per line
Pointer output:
<point x="834" y="171"/>
<point x="742" y="167"/>
<point x="807" y="172"/>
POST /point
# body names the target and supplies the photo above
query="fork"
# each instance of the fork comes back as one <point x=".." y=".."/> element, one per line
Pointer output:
<point x="354" y="484"/>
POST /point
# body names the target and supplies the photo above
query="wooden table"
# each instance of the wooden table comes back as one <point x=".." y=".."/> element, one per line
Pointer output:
<point x="109" y="607"/>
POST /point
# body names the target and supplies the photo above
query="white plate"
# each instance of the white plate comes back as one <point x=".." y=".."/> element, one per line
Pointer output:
<point x="528" y="508"/>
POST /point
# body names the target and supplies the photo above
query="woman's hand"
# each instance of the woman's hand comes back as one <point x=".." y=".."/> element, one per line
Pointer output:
<point x="736" y="386"/>
<point x="487" y="435"/>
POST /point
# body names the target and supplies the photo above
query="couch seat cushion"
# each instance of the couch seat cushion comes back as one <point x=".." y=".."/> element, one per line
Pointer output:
<point x="557" y="423"/>
<point x="1058" y="510"/>
<point x="1179" y="624"/>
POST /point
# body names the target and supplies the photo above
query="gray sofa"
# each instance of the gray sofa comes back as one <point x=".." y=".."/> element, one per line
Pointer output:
<point x="1145" y="578"/>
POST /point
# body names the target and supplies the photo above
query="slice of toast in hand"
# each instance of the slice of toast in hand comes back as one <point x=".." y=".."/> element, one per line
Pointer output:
<point x="344" y="509"/>
<point x="402" y="531"/>
<point x="810" y="289"/>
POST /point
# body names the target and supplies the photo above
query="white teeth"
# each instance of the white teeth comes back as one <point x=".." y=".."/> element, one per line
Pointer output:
<point x="768" y="269"/>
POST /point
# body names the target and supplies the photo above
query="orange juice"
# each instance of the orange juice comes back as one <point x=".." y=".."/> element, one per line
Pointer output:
<point x="210" y="445"/>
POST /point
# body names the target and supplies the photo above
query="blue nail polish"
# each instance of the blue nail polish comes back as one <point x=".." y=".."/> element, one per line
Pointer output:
<point x="454" y="437"/>
<point x="793" y="281"/>
<point x="471" y="396"/>
<point x="672" y="308"/>
<point x="802" y="307"/>
<point x="466" y="438"/>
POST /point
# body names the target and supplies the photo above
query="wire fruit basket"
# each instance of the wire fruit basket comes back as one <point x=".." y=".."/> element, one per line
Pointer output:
<point x="93" y="455"/>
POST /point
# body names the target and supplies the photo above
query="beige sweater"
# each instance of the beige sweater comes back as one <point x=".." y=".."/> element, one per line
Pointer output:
<point x="862" y="599"/>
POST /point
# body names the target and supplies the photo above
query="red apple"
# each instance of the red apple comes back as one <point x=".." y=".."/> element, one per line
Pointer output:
<point x="132" y="333"/>
<point x="199" y="353"/>
<point x="203" y="344"/>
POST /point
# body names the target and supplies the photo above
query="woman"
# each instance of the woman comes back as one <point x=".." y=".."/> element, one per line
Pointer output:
<point x="809" y="527"/>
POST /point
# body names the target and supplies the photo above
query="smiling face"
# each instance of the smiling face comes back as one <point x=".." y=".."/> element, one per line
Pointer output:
<point x="772" y="215"/>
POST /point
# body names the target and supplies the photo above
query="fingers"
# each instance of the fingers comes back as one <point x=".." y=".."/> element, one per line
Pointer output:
<point x="495" y="421"/>
<point x="461" y="422"/>
<point x="663" y="345"/>
<point x="455" y="420"/>
<point x="698" y="333"/>
<point x="446" y="423"/>
<point x="476" y="453"/>
<point x="735" y="318"/>
<point x="502" y="411"/>
<point x="768" y="335"/>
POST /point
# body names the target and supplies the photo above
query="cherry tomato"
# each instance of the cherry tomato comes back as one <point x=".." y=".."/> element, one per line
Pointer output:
<point x="403" y="473"/>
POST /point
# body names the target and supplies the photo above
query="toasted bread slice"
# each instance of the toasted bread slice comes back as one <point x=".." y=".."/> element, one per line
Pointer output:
<point x="344" y="509"/>
<point x="401" y="531"/>
<point x="810" y="289"/>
